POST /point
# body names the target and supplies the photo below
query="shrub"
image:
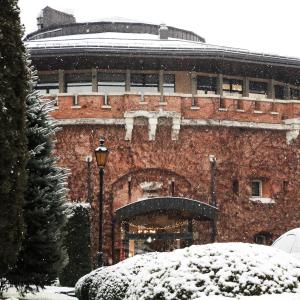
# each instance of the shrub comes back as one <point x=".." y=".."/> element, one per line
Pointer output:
<point x="77" y="243"/>
<point x="228" y="269"/>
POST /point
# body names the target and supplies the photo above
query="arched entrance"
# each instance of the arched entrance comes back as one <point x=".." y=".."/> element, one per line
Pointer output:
<point x="159" y="224"/>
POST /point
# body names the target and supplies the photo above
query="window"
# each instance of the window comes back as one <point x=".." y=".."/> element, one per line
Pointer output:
<point x="235" y="186"/>
<point x="144" y="82"/>
<point x="256" y="188"/>
<point x="169" y="83"/>
<point x="232" y="86"/>
<point x="262" y="238"/>
<point x="279" y="91"/>
<point x="111" y="82"/>
<point x="78" y="83"/>
<point x="206" y="85"/>
<point x="295" y="94"/>
<point x="256" y="87"/>
<point x="47" y="88"/>
<point x="48" y="84"/>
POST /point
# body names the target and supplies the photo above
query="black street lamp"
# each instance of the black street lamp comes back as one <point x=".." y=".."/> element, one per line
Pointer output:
<point x="213" y="195"/>
<point x="101" y="154"/>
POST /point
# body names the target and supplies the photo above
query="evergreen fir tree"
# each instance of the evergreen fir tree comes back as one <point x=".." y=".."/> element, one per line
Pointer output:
<point x="42" y="255"/>
<point x="13" y="149"/>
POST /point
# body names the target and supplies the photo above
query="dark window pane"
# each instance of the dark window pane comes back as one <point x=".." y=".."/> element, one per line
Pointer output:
<point x="279" y="92"/>
<point x="256" y="87"/>
<point x="111" y="82"/>
<point x="111" y="77"/>
<point x="256" y="188"/>
<point x="144" y="82"/>
<point x="235" y="186"/>
<point x="169" y="83"/>
<point x="47" y="88"/>
<point x="80" y="77"/>
<point x="207" y="84"/>
<point x="295" y="94"/>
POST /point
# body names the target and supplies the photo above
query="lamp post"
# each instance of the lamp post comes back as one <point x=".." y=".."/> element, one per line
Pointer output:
<point x="101" y="154"/>
<point x="213" y="195"/>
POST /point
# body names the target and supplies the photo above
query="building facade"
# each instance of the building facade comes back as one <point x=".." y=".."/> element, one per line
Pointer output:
<point x="203" y="140"/>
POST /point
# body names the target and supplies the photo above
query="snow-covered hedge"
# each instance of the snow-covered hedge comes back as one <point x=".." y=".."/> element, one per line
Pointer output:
<point x="227" y="269"/>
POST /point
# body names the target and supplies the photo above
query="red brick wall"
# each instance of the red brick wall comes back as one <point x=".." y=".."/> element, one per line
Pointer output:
<point x="242" y="154"/>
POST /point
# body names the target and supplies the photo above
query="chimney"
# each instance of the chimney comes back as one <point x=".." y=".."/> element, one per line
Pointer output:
<point x="163" y="32"/>
<point x="50" y="17"/>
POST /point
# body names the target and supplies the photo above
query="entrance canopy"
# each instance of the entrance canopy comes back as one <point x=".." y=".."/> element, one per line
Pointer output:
<point x="188" y="208"/>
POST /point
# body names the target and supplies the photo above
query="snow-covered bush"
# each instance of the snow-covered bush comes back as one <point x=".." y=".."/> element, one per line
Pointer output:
<point x="227" y="269"/>
<point x="77" y="242"/>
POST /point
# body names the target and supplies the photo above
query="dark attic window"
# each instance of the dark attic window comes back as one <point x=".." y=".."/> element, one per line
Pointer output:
<point x="206" y="85"/>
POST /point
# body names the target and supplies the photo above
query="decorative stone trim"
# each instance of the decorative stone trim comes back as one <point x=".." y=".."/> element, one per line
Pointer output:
<point x="257" y="112"/>
<point x="152" y="117"/>
<point x="294" y="131"/>
<point x="76" y="106"/>
<point x="274" y="113"/>
<point x="263" y="200"/>
<point x="240" y="110"/>
<point x="195" y="107"/>
<point x="223" y="109"/>
<point x="106" y="106"/>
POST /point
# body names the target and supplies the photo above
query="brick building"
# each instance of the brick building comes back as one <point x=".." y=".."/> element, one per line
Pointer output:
<point x="204" y="140"/>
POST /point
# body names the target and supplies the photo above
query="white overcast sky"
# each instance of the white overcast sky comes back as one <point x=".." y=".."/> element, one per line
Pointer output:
<point x="270" y="26"/>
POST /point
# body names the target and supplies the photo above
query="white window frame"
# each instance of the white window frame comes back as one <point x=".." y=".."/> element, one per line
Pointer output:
<point x="260" y="188"/>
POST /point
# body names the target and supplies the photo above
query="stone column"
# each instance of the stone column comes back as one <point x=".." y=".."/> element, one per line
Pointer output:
<point x="220" y="84"/>
<point x="246" y="87"/>
<point x="128" y="127"/>
<point x="176" y="122"/>
<point x="61" y="81"/>
<point x="287" y="92"/>
<point x="271" y="90"/>
<point x="127" y="81"/>
<point x="94" y="81"/>
<point x="152" y="128"/>
<point x="161" y="85"/>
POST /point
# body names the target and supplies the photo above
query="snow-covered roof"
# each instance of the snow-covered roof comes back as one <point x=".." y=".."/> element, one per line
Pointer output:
<point x="116" y="41"/>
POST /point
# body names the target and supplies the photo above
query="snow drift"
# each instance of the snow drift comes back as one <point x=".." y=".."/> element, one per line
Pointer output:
<point x="227" y="269"/>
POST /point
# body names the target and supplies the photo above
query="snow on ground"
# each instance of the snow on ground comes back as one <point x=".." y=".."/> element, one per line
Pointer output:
<point x="49" y="293"/>
<point x="198" y="272"/>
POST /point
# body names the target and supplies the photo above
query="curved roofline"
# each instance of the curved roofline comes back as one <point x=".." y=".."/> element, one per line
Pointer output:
<point x="213" y="53"/>
<point x="196" y="209"/>
<point x="109" y="26"/>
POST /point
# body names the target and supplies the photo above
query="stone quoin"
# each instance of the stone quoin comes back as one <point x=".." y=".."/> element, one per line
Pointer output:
<point x="165" y="102"/>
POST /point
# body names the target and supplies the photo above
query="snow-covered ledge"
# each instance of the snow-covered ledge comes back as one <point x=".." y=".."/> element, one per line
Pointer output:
<point x="263" y="200"/>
